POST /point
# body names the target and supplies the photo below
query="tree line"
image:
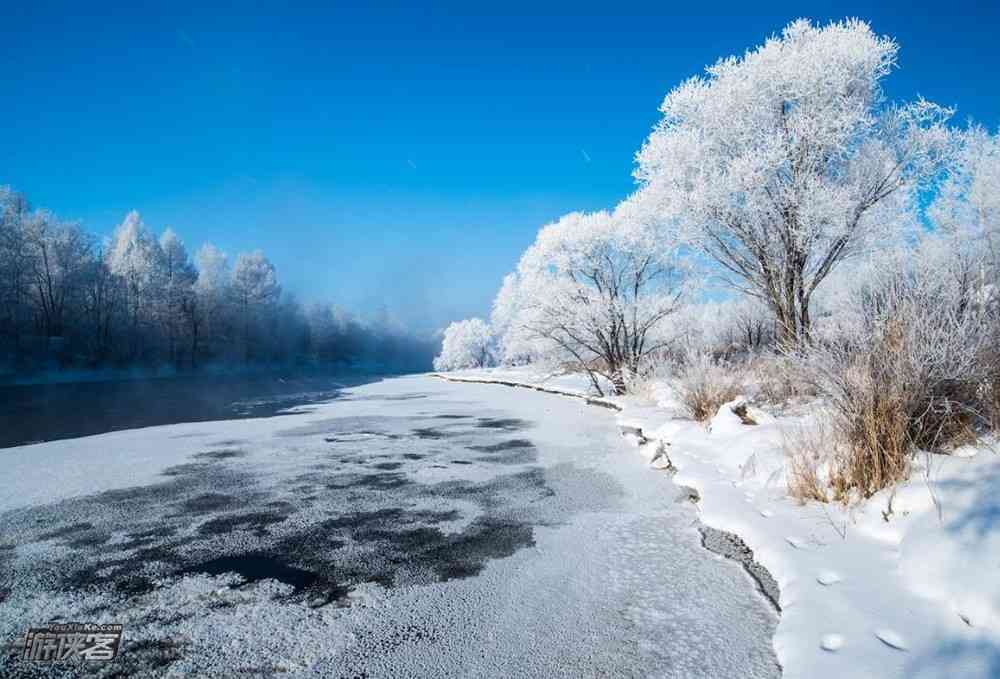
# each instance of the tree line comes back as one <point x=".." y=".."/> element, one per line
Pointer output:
<point x="793" y="233"/>
<point x="69" y="301"/>
<point x="763" y="180"/>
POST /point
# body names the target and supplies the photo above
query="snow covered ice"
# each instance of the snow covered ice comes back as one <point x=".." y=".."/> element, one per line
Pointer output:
<point x="410" y="528"/>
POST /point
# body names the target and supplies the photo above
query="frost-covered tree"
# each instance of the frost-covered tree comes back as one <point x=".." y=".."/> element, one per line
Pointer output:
<point x="136" y="258"/>
<point x="60" y="254"/>
<point x="102" y="306"/>
<point x="15" y="264"/>
<point x="785" y="161"/>
<point x="466" y="344"/>
<point x="255" y="281"/>
<point x="179" y="276"/>
<point x="213" y="270"/>
<point x="210" y="314"/>
<point x="596" y="288"/>
<point x="967" y="206"/>
<point x="255" y="289"/>
<point x="513" y="345"/>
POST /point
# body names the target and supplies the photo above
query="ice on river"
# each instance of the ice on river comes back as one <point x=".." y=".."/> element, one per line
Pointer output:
<point x="411" y="527"/>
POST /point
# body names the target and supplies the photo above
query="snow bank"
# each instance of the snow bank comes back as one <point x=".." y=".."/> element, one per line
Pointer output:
<point x="563" y="385"/>
<point x="907" y="584"/>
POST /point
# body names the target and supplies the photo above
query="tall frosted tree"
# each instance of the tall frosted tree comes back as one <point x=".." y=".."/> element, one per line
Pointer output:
<point x="783" y="162"/>
<point x="136" y="258"/>
<point x="60" y="253"/>
<point x="255" y="290"/>
<point x="513" y="347"/>
<point x="103" y="298"/>
<point x="209" y="316"/>
<point x="15" y="265"/>
<point x="595" y="289"/>
<point x="179" y="276"/>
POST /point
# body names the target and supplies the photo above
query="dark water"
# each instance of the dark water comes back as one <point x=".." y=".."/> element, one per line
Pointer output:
<point x="253" y="568"/>
<point x="47" y="412"/>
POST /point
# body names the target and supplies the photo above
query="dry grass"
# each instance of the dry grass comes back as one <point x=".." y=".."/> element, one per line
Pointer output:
<point x="990" y="389"/>
<point x="875" y="427"/>
<point x="992" y="396"/>
<point x="898" y="392"/>
<point x="833" y="458"/>
<point x="778" y="381"/>
<point x="810" y="450"/>
<point x="705" y="384"/>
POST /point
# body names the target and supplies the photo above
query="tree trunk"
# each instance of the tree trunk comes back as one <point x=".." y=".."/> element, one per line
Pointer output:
<point x="619" y="384"/>
<point x="792" y="318"/>
<point x="194" y="346"/>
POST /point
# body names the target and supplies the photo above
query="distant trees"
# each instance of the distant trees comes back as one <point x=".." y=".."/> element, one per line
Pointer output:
<point x="141" y="302"/>
<point x="782" y="163"/>
<point x="466" y="344"/>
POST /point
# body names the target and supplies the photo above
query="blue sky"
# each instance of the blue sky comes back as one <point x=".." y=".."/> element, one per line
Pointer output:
<point x="390" y="156"/>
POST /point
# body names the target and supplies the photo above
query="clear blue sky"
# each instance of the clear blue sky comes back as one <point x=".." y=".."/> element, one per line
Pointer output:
<point x="397" y="156"/>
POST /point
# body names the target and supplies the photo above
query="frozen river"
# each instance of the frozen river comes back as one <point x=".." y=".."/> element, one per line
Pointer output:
<point x="408" y="528"/>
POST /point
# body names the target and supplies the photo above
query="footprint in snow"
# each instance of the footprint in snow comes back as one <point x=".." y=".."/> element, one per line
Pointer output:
<point x="766" y="513"/>
<point x="892" y="639"/>
<point x="831" y="642"/>
<point x="828" y="578"/>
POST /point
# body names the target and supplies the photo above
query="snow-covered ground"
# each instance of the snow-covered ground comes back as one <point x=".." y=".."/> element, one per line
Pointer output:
<point x="865" y="591"/>
<point x="411" y="528"/>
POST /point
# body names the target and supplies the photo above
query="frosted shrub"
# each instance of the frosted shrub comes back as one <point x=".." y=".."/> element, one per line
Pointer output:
<point x="990" y="360"/>
<point x="967" y="210"/>
<point x="652" y="374"/>
<point x="777" y="380"/>
<point x="731" y="330"/>
<point x="704" y="384"/>
<point x="909" y="375"/>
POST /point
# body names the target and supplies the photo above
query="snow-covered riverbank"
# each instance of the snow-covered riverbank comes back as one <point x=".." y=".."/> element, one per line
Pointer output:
<point x="905" y="585"/>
